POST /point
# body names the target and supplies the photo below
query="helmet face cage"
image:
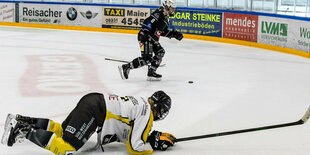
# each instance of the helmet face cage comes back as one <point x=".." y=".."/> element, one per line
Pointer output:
<point x="162" y="104"/>
<point x="162" y="111"/>
<point x="170" y="6"/>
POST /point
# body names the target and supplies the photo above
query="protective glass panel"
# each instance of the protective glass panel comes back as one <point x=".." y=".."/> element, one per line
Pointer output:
<point x="263" y="5"/>
<point x="239" y="4"/>
<point x="224" y="4"/>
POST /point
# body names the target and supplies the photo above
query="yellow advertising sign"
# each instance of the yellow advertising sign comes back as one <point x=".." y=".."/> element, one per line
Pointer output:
<point x="124" y="17"/>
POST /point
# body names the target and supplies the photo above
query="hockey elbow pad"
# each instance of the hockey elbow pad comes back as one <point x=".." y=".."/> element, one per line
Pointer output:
<point x="161" y="141"/>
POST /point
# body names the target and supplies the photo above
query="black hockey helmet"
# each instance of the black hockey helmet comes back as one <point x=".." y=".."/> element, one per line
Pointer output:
<point x="162" y="104"/>
<point x="170" y="6"/>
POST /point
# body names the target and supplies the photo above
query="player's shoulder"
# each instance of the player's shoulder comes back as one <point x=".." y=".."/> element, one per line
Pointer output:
<point x="144" y="107"/>
<point x="159" y="14"/>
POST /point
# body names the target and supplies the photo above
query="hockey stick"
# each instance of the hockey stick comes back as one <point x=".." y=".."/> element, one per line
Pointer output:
<point x="123" y="61"/>
<point x="299" y="122"/>
<point x="116" y="60"/>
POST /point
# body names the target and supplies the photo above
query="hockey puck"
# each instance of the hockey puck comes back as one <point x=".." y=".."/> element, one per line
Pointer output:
<point x="190" y="81"/>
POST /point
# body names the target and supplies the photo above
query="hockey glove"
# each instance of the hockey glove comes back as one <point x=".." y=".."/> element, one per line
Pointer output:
<point x="143" y="36"/>
<point x="109" y="139"/>
<point x="177" y="35"/>
<point x="161" y="141"/>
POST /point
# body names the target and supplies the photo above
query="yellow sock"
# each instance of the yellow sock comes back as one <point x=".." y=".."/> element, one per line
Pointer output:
<point x="55" y="128"/>
<point x="58" y="146"/>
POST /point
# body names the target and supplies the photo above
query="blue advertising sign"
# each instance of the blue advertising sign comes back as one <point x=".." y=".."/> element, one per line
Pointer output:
<point x="197" y="22"/>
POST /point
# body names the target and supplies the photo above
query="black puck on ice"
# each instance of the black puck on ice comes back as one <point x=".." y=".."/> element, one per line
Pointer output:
<point x="190" y="81"/>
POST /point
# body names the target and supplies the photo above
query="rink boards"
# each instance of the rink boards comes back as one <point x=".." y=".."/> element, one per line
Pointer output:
<point x="270" y="31"/>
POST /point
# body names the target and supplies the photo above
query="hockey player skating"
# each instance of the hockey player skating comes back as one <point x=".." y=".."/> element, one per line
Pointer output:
<point x="153" y="27"/>
<point x="123" y="119"/>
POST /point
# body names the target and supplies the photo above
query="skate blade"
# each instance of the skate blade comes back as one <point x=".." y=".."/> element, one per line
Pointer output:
<point x="9" y="117"/>
<point x="9" y="124"/>
<point x="121" y="72"/>
<point x="153" y="79"/>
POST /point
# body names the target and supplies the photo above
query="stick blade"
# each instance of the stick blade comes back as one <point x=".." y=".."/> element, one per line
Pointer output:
<point x="306" y="116"/>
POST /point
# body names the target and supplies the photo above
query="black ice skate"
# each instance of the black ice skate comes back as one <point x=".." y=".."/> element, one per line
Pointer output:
<point x="9" y="123"/>
<point x="14" y="131"/>
<point x="124" y="71"/>
<point x="153" y="76"/>
<point x="25" y="119"/>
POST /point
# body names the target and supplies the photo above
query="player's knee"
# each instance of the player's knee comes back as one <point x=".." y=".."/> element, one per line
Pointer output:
<point x="147" y="59"/>
<point x="58" y="146"/>
<point x="160" y="54"/>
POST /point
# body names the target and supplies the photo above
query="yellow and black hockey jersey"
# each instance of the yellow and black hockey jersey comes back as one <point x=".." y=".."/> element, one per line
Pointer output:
<point x="130" y="119"/>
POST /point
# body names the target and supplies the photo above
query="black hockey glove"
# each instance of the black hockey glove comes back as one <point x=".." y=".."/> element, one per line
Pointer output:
<point x="143" y="36"/>
<point x="177" y="35"/>
<point x="161" y="141"/>
<point x="109" y="139"/>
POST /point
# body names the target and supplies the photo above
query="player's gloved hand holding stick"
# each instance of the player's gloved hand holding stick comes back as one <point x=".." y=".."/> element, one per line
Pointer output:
<point x="161" y="141"/>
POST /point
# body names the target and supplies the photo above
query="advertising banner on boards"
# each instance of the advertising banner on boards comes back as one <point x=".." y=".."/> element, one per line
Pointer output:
<point x="301" y="38"/>
<point x="197" y="22"/>
<point x="7" y="12"/>
<point x="72" y="15"/>
<point x="124" y="17"/>
<point x="274" y="31"/>
<point x="240" y="26"/>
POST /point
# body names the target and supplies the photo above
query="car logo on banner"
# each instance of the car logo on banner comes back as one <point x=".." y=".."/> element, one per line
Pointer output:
<point x="89" y="14"/>
<point x="72" y="13"/>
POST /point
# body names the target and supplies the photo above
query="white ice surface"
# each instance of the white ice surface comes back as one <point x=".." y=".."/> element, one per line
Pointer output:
<point x="235" y="87"/>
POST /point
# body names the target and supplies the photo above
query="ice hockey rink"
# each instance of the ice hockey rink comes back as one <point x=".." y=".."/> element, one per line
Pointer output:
<point x="45" y="72"/>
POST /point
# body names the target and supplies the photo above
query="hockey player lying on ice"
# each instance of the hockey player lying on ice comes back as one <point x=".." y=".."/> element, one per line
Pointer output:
<point x="123" y="119"/>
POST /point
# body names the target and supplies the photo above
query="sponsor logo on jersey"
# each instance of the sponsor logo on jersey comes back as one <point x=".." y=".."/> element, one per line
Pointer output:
<point x="72" y="13"/>
<point x="114" y="12"/>
<point x="144" y="110"/>
<point x="89" y="14"/>
<point x="158" y="33"/>
<point x="84" y="129"/>
<point x="133" y="100"/>
<point x="70" y="129"/>
<point x="149" y="25"/>
<point x="113" y="97"/>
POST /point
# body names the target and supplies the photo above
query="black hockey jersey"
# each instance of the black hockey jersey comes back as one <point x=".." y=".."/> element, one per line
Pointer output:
<point x="156" y="25"/>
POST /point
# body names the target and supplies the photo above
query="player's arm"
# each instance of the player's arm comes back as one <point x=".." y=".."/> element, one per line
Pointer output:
<point x="141" y="127"/>
<point x="173" y="34"/>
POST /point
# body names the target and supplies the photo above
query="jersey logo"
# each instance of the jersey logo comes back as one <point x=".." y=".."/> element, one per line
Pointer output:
<point x="144" y="110"/>
<point x="113" y="97"/>
<point x="149" y="25"/>
<point x="70" y="129"/>
<point x="158" y="33"/>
